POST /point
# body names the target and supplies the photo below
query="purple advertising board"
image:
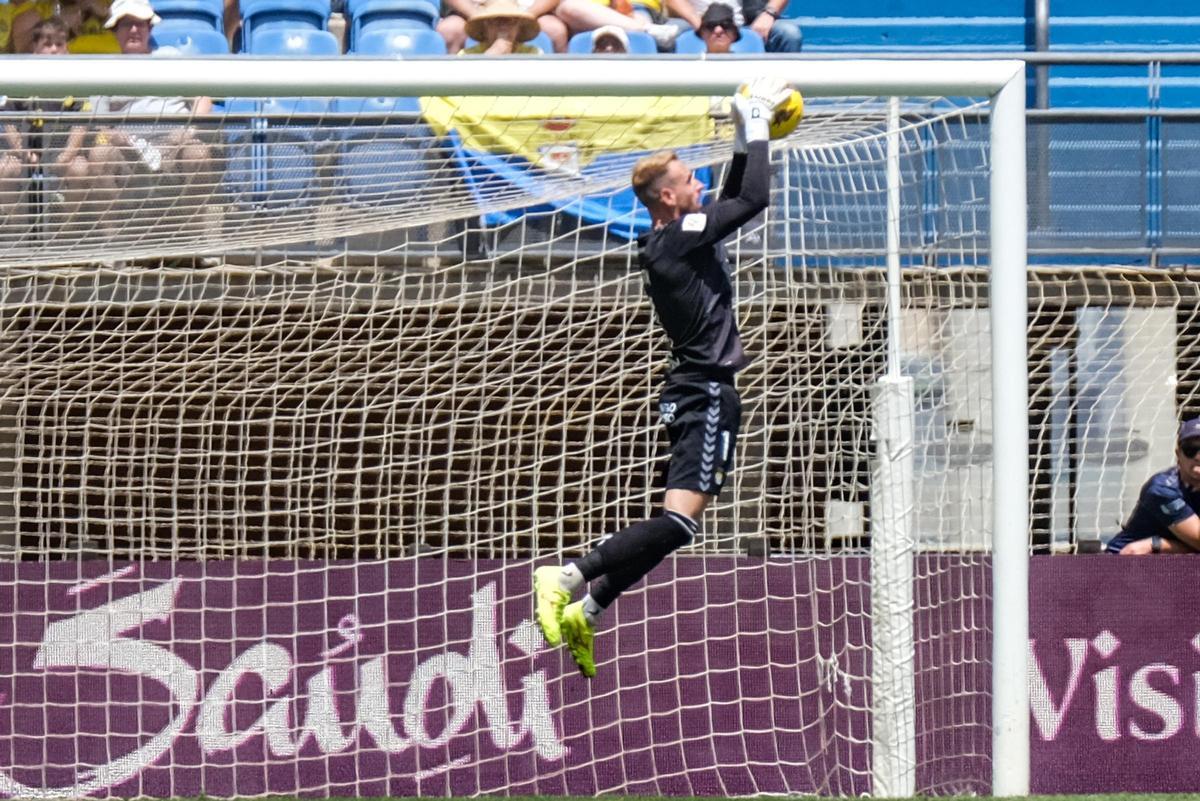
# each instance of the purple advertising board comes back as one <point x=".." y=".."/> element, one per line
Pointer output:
<point x="428" y="677"/>
<point x="1114" y="674"/>
<point x="425" y="677"/>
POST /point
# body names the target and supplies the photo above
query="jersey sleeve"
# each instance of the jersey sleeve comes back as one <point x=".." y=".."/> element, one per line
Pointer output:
<point x="1165" y="502"/>
<point x="746" y="193"/>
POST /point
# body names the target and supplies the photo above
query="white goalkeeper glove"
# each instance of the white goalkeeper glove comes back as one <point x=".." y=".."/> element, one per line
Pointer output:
<point x="754" y="105"/>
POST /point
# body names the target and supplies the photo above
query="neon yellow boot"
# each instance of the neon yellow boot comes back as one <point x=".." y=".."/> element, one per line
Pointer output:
<point x="548" y="601"/>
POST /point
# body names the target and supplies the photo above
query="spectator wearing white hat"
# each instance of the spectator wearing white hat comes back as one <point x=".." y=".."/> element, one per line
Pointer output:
<point x="131" y="22"/>
<point x="156" y="146"/>
<point x="610" y="39"/>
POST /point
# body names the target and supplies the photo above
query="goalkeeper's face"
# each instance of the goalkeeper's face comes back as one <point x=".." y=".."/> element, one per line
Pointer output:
<point x="680" y="189"/>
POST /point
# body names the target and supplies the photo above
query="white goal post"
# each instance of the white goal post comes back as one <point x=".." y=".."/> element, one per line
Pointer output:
<point x="1003" y="82"/>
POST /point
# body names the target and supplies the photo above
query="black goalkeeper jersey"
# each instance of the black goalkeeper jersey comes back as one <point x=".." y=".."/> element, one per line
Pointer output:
<point x="686" y="270"/>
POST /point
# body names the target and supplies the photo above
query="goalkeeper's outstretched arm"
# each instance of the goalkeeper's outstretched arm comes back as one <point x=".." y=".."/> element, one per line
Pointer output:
<point x="747" y="189"/>
<point x="746" y="192"/>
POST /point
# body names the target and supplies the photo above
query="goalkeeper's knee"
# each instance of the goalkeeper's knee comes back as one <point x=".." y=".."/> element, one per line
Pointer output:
<point x="683" y="532"/>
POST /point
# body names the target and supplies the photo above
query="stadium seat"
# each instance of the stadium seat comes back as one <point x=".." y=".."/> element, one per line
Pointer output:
<point x="366" y="15"/>
<point x="210" y="13"/>
<point x="541" y="40"/>
<point x="261" y="15"/>
<point x="274" y="158"/>
<point x="384" y="150"/>
<point x="381" y="156"/>
<point x="690" y="42"/>
<point x="639" y="43"/>
<point x="190" y="38"/>
<point x="280" y="41"/>
<point x="400" y="42"/>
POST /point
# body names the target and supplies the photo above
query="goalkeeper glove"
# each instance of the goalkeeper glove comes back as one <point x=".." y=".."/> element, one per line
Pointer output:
<point x="754" y="105"/>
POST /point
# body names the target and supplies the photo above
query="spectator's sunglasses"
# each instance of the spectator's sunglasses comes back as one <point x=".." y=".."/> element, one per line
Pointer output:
<point x="1190" y="448"/>
<point x="712" y="26"/>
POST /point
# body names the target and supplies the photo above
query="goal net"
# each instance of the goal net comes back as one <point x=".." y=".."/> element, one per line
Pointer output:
<point x="296" y="394"/>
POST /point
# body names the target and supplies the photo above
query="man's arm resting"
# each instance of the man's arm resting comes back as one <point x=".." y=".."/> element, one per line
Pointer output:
<point x="1145" y="547"/>
<point x="1188" y="532"/>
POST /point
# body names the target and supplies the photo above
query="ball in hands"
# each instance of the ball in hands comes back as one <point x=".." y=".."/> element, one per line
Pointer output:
<point x="787" y="114"/>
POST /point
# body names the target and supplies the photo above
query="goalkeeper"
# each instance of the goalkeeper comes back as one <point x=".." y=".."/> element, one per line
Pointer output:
<point x="686" y="271"/>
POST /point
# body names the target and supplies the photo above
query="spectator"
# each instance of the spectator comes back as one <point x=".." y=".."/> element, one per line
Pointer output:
<point x="762" y="16"/>
<point x="38" y="147"/>
<point x="232" y="18"/>
<point x="588" y="15"/>
<point x="718" y="29"/>
<point x="1164" y="519"/>
<point x="25" y="15"/>
<point x="171" y="152"/>
<point x="500" y="28"/>
<point x="453" y="27"/>
<point x="84" y="20"/>
<point x="610" y="39"/>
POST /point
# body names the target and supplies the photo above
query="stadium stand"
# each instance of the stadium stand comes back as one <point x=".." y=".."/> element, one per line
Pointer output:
<point x="859" y="25"/>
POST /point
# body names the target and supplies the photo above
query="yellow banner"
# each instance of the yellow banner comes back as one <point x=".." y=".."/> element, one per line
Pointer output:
<point x="568" y="133"/>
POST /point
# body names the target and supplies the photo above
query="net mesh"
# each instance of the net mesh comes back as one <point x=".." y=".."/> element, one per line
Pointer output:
<point x="398" y="395"/>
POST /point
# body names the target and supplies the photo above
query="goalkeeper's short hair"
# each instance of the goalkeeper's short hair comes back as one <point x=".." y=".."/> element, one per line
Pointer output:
<point x="648" y="172"/>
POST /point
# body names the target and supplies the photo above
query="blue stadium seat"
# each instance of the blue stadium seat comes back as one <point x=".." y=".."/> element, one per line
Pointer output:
<point x="365" y="15"/>
<point x="690" y="42"/>
<point x="379" y="161"/>
<point x="639" y="43"/>
<point x="261" y="15"/>
<point x="280" y="41"/>
<point x="400" y="42"/>
<point x="210" y="13"/>
<point x="541" y="40"/>
<point x="274" y="159"/>
<point x="190" y="38"/>
<point x="385" y="151"/>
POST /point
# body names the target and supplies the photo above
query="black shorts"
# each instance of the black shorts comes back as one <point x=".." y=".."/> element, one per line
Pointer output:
<point x="702" y="419"/>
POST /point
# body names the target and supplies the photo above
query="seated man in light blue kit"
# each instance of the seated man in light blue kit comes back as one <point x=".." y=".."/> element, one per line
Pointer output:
<point x="1165" y="519"/>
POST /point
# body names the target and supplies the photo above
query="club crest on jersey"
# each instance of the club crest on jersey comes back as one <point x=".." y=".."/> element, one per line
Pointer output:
<point x="666" y="412"/>
<point x="694" y="222"/>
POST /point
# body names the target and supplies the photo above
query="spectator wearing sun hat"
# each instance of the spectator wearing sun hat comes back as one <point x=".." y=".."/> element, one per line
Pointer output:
<point x="719" y="29"/>
<point x="500" y="28"/>
<point x="764" y="18"/>
<point x="453" y="26"/>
